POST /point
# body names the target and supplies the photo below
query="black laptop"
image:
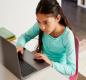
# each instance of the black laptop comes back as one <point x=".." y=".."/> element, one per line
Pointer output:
<point x="22" y="66"/>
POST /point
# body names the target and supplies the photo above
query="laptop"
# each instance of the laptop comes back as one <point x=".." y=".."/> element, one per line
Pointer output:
<point x="21" y="66"/>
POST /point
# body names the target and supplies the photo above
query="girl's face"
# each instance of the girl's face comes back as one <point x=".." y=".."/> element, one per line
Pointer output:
<point x="47" y="23"/>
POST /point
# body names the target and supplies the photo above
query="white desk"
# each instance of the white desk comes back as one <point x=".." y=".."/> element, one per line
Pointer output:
<point x="46" y="74"/>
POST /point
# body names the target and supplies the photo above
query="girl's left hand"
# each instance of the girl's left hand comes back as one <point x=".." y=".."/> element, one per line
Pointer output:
<point x="43" y="57"/>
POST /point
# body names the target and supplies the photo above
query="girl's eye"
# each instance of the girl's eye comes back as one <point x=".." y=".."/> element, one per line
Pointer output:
<point x="45" y="22"/>
<point x="38" y="21"/>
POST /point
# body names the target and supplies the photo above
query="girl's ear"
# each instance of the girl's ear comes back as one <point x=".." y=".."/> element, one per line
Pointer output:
<point x="58" y="17"/>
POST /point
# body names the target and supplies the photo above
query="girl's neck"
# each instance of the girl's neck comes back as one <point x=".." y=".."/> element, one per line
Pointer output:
<point x="58" y="31"/>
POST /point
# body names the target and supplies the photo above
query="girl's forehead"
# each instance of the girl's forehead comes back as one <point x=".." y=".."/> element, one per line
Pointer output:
<point x="44" y="17"/>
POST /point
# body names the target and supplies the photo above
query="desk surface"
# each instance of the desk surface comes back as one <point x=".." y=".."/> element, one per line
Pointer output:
<point x="45" y="74"/>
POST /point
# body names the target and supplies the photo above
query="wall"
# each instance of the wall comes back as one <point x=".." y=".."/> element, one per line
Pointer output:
<point x="80" y="3"/>
<point x="17" y="15"/>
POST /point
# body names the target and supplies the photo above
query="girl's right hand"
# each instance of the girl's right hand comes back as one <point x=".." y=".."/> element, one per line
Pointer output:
<point x="20" y="49"/>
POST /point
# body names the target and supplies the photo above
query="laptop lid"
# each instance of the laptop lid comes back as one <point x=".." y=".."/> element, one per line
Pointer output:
<point x="8" y="57"/>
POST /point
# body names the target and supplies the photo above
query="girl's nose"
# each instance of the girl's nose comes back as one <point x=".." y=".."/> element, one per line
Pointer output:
<point x="43" y="28"/>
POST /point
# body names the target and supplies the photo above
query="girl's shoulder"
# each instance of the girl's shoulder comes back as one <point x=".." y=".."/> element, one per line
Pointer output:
<point x="68" y="32"/>
<point x="68" y="36"/>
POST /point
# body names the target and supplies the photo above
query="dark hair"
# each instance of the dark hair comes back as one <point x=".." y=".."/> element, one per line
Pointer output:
<point x="53" y="8"/>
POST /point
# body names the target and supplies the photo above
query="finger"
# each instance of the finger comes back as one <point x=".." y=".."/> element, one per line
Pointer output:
<point x="38" y="58"/>
<point x="37" y="54"/>
<point x="22" y="51"/>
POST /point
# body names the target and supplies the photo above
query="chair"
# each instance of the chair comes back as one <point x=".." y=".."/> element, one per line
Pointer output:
<point x="75" y="76"/>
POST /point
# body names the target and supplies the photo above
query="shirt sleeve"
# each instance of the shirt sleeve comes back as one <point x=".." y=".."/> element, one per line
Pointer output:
<point x="28" y="35"/>
<point x="70" y="66"/>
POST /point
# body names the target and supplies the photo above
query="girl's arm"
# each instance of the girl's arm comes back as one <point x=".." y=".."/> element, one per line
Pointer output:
<point x="27" y="36"/>
<point x="70" y="66"/>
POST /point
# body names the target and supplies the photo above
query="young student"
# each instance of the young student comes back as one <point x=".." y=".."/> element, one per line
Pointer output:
<point x="56" y="44"/>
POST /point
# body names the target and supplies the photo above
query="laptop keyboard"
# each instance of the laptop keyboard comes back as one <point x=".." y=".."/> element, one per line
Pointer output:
<point x="26" y="68"/>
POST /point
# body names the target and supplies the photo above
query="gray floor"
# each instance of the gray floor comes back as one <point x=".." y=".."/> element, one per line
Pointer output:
<point x="76" y="16"/>
<point x="81" y="77"/>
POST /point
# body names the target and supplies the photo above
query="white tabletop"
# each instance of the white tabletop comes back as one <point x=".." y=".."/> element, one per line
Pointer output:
<point x="45" y="74"/>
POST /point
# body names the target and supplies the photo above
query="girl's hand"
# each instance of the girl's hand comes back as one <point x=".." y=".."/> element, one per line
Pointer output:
<point x="43" y="57"/>
<point x="20" y="49"/>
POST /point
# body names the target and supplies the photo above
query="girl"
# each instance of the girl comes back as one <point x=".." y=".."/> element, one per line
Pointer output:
<point x="56" y="44"/>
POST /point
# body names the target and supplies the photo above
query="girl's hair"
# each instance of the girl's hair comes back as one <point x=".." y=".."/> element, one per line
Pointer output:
<point x="53" y="8"/>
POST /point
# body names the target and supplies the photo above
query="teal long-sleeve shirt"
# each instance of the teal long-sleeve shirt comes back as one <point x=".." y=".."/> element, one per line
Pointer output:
<point x="60" y="50"/>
